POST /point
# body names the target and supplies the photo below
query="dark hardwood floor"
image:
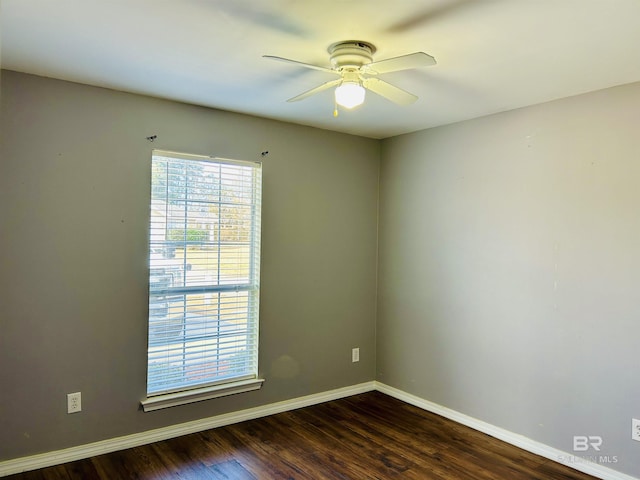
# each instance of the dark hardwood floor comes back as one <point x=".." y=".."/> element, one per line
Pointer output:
<point x="368" y="436"/>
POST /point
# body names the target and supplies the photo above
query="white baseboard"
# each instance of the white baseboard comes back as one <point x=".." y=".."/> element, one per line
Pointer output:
<point x="57" y="457"/>
<point x="9" y="467"/>
<point x="594" y="469"/>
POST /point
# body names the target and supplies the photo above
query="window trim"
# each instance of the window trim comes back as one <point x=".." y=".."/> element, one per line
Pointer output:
<point x="166" y="400"/>
<point x="240" y="384"/>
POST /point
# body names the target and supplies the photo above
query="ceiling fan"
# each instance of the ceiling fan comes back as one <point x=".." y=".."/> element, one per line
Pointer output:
<point x="353" y="62"/>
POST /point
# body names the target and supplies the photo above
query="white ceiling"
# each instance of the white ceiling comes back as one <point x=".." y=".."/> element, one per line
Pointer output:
<point x="493" y="55"/>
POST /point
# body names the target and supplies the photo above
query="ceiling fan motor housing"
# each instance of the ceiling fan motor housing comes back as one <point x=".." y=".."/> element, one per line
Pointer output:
<point x="351" y="54"/>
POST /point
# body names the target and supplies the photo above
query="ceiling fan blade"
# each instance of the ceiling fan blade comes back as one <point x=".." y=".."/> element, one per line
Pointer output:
<point x="404" y="62"/>
<point x="260" y="17"/>
<point x="301" y="64"/>
<point x="430" y="15"/>
<point x="315" y="90"/>
<point x="388" y="91"/>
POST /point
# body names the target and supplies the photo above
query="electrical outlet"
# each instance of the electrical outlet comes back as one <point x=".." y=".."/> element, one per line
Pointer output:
<point x="635" y="429"/>
<point x="355" y="355"/>
<point x="74" y="402"/>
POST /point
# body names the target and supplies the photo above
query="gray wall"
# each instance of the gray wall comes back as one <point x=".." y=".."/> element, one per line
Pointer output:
<point x="509" y="270"/>
<point x="74" y="209"/>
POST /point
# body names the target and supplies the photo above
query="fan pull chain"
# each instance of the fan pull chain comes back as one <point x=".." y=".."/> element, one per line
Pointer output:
<point x="335" y="109"/>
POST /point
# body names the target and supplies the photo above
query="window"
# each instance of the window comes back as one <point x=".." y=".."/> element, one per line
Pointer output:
<point x="204" y="278"/>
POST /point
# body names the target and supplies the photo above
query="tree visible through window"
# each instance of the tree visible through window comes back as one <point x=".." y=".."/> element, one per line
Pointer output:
<point x="204" y="259"/>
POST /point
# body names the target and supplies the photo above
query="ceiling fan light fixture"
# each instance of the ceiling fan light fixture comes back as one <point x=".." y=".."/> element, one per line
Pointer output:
<point x="349" y="94"/>
<point x="352" y="61"/>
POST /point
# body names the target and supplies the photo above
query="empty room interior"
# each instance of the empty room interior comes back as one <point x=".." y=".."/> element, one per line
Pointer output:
<point x="466" y="240"/>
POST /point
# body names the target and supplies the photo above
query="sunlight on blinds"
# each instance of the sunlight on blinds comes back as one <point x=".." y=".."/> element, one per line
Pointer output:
<point x="204" y="261"/>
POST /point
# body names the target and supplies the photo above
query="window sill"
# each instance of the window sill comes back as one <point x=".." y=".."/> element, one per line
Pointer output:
<point x="190" y="396"/>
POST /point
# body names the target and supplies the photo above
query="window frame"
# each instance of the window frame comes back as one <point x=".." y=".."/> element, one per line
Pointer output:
<point x="202" y="390"/>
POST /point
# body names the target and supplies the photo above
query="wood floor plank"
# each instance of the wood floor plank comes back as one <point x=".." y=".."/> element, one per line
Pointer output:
<point x="134" y="463"/>
<point x="257" y="457"/>
<point x="57" y="472"/>
<point x="82" y="470"/>
<point x="230" y="470"/>
<point x="365" y="437"/>
<point x="175" y="456"/>
<point x="371" y="449"/>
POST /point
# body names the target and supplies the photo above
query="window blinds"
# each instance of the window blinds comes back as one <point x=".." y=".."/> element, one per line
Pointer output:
<point x="204" y="271"/>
